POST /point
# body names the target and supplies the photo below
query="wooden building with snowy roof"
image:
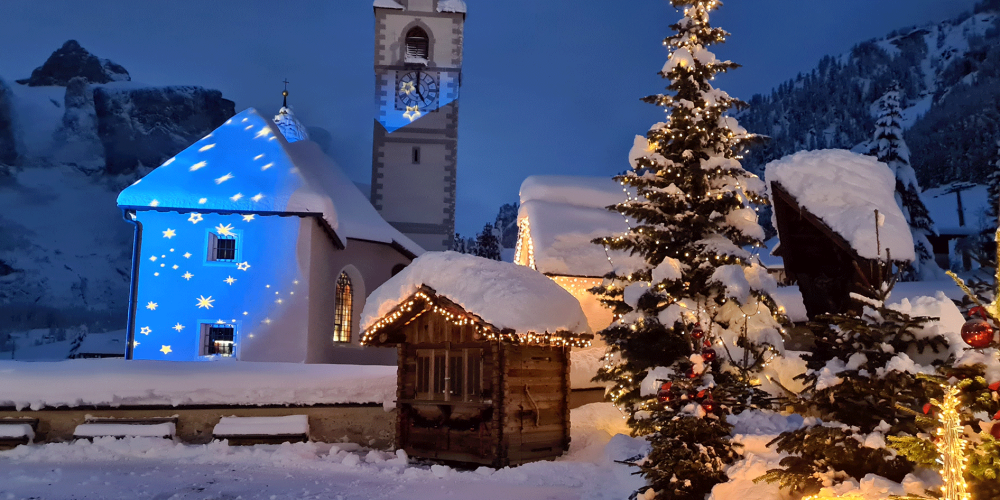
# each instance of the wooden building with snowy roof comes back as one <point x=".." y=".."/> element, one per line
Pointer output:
<point x="483" y="349"/>
<point x="825" y="205"/>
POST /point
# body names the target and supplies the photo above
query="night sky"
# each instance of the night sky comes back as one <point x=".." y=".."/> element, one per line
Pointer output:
<point x="550" y="86"/>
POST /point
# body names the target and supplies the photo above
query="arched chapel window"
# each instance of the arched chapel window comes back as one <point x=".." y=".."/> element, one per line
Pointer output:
<point x="417" y="46"/>
<point x="342" y="315"/>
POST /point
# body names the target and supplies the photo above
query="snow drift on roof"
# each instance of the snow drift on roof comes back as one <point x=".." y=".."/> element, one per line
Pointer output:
<point x="503" y="294"/>
<point x="844" y="189"/>
<point x="388" y="4"/>
<point x="451" y="6"/>
<point x="565" y="213"/>
<point x="942" y="203"/>
<point x="246" y="165"/>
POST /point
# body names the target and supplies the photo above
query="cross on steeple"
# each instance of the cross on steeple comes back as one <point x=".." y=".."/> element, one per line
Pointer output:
<point x="284" y="93"/>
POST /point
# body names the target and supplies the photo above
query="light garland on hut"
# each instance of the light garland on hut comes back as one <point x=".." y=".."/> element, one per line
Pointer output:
<point x="459" y="319"/>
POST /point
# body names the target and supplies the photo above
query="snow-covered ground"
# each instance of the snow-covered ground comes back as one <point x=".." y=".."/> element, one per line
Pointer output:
<point x="140" y="468"/>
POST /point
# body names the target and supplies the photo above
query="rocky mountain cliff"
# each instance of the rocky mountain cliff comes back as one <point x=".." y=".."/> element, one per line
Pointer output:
<point x="950" y="77"/>
<point x="71" y="137"/>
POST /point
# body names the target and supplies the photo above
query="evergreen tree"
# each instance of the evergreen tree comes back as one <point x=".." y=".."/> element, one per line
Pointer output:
<point x="506" y="224"/>
<point x="488" y="243"/>
<point x="890" y="148"/>
<point x="78" y="334"/>
<point x="993" y="187"/>
<point x="859" y="380"/>
<point x="694" y="324"/>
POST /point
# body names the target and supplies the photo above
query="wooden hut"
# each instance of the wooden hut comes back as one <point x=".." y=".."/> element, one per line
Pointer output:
<point x="472" y="391"/>
<point x="837" y="221"/>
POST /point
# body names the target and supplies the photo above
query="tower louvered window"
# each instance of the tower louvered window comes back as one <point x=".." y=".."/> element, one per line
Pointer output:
<point x="417" y="46"/>
<point x="342" y="314"/>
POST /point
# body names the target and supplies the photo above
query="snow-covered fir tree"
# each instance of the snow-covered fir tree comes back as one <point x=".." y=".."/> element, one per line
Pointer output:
<point x="862" y="384"/>
<point x="993" y="187"/>
<point x="890" y="148"/>
<point x="78" y="335"/>
<point x="694" y="324"/>
<point x="488" y="243"/>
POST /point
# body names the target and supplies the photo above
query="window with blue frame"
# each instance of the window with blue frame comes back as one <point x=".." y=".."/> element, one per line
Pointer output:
<point x="218" y="340"/>
<point x="222" y="248"/>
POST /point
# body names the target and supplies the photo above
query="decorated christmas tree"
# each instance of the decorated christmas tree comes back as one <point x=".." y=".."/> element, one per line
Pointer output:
<point x="973" y="381"/>
<point x="891" y="149"/>
<point x="694" y="325"/>
<point x="861" y="378"/>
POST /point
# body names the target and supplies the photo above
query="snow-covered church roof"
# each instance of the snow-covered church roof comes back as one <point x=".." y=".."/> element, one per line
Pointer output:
<point x="562" y="214"/>
<point x="844" y="189"/>
<point x="502" y="294"/>
<point x="246" y="165"/>
<point x="290" y="126"/>
<point x="442" y="5"/>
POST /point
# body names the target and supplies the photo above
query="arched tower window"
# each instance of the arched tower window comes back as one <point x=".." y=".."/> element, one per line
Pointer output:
<point x="342" y="315"/>
<point x="417" y="46"/>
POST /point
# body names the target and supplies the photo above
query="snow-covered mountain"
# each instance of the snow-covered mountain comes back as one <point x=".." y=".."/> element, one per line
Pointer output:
<point x="949" y="74"/>
<point x="71" y="137"/>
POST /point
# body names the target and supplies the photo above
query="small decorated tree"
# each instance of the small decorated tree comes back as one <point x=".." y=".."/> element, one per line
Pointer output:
<point x="694" y="324"/>
<point x="891" y="149"/>
<point x="859" y="378"/>
<point x="974" y="381"/>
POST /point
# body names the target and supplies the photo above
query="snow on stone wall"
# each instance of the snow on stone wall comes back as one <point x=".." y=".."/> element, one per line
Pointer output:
<point x="118" y="382"/>
<point x="844" y="189"/>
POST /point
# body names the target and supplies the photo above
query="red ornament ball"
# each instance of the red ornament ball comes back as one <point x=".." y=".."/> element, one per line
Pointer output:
<point x="995" y="431"/>
<point x="708" y="406"/>
<point x="977" y="333"/>
<point x="697" y="333"/>
<point x="708" y="355"/>
<point x="663" y="395"/>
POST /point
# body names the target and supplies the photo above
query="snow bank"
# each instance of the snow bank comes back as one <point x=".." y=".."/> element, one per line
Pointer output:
<point x="564" y="214"/>
<point x="289" y="425"/>
<point x="159" y="468"/>
<point x="503" y="294"/>
<point x="844" y="189"/>
<point x="117" y="382"/>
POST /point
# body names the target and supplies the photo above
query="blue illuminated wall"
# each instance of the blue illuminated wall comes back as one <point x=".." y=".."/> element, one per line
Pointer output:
<point x="263" y="293"/>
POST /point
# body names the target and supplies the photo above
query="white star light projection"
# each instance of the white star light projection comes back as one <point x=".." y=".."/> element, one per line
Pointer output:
<point x="220" y="185"/>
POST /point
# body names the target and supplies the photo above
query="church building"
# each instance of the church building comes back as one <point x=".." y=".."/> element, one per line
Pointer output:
<point x="253" y="244"/>
<point x="418" y="74"/>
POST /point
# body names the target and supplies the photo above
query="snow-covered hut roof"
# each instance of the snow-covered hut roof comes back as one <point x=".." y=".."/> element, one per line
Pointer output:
<point x="561" y="214"/>
<point x="942" y="204"/>
<point x="505" y="295"/>
<point x="246" y="165"/>
<point x="843" y="189"/>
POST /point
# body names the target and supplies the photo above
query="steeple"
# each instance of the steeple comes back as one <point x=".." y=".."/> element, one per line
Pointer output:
<point x="290" y="127"/>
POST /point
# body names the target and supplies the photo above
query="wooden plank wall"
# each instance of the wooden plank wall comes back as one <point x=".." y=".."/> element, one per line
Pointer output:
<point x="536" y="413"/>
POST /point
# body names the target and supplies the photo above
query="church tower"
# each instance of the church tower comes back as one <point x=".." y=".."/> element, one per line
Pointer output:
<point x="418" y="73"/>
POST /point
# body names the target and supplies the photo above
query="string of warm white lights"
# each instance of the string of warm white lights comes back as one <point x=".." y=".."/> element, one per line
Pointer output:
<point x="460" y="319"/>
<point x="951" y="445"/>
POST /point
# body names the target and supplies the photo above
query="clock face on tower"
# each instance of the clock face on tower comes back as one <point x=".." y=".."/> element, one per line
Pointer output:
<point x="416" y="88"/>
